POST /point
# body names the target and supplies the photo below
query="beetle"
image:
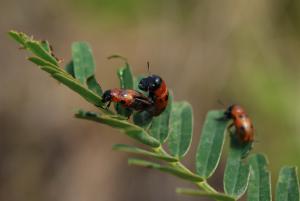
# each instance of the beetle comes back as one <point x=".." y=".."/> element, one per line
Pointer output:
<point x="158" y="93"/>
<point x="128" y="98"/>
<point x="241" y="122"/>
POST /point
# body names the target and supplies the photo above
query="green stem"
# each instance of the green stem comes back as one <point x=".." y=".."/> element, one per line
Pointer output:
<point x="202" y="185"/>
<point x="205" y="186"/>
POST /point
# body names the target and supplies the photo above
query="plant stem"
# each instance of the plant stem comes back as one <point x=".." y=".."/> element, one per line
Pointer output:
<point x="202" y="185"/>
<point x="205" y="186"/>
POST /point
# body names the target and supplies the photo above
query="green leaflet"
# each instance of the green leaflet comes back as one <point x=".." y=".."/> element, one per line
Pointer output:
<point x="49" y="70"/>
<point x="287" y="188"/>
<point x="73" y="84"/>
<point x="124" y="73"/>
<point x="168" y="169"/>
<point x="259" y="187"/>
<point x="70" y="68"/>
<point x="193" y="192"/>
<point x="131" y="130"/>
<point x="211" y="143"/>
<point x="83" y="62"/>
<point x="143" y="119"/>
<point x="160" y="126"/>
<point x="236" y="174"/>
<point x="181" y="128"/>
<point x="136" y="150"/>
<point x="125" y="77"/>
<point x="84" y="68"/>
<point x="36" y="48"/>
<point x="94" y="85"/>
<point x="42" y="63"/>
<point x="46" y="46"/>
<point x="20" y="37"/>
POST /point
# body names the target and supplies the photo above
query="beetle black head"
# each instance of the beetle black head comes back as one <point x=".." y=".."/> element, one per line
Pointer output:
<point x="150" y="83"/>
<point x="227" y="113"/>
<point x="106" y="97"/>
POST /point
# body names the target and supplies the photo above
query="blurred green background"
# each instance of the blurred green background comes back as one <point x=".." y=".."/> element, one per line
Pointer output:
<point x="243" y="52"/>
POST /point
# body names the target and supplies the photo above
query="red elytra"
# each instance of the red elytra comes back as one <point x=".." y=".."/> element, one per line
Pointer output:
<point x="128" y="98"/>
<point x="241" y="122"/>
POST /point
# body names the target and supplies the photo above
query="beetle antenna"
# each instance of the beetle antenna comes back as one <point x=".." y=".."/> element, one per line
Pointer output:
<point x="220" y="102"/>
<point x="148" y="67"/>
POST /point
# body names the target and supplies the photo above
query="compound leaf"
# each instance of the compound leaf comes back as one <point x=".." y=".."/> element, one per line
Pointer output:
<point x="39" y="48"/>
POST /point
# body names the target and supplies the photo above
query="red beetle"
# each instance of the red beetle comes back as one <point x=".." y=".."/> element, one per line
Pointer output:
<point x="158" y="93"/>
<point x="241" y="122"/>
<point x="128" y="98"/>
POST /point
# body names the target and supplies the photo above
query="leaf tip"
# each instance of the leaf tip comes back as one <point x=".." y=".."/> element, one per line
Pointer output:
<point x="117" y="56"/>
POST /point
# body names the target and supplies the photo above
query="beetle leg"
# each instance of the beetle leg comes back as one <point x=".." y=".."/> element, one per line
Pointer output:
<point x="108" y="104"/>
<point x="230" y="129"/>
<point x="142" y="104"/>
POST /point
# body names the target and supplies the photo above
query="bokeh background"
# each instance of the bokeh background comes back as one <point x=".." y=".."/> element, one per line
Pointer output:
<point x="244" y="52"/>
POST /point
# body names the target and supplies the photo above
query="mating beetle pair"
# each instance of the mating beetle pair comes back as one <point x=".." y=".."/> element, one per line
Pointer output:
<point x="155" y="103"/>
